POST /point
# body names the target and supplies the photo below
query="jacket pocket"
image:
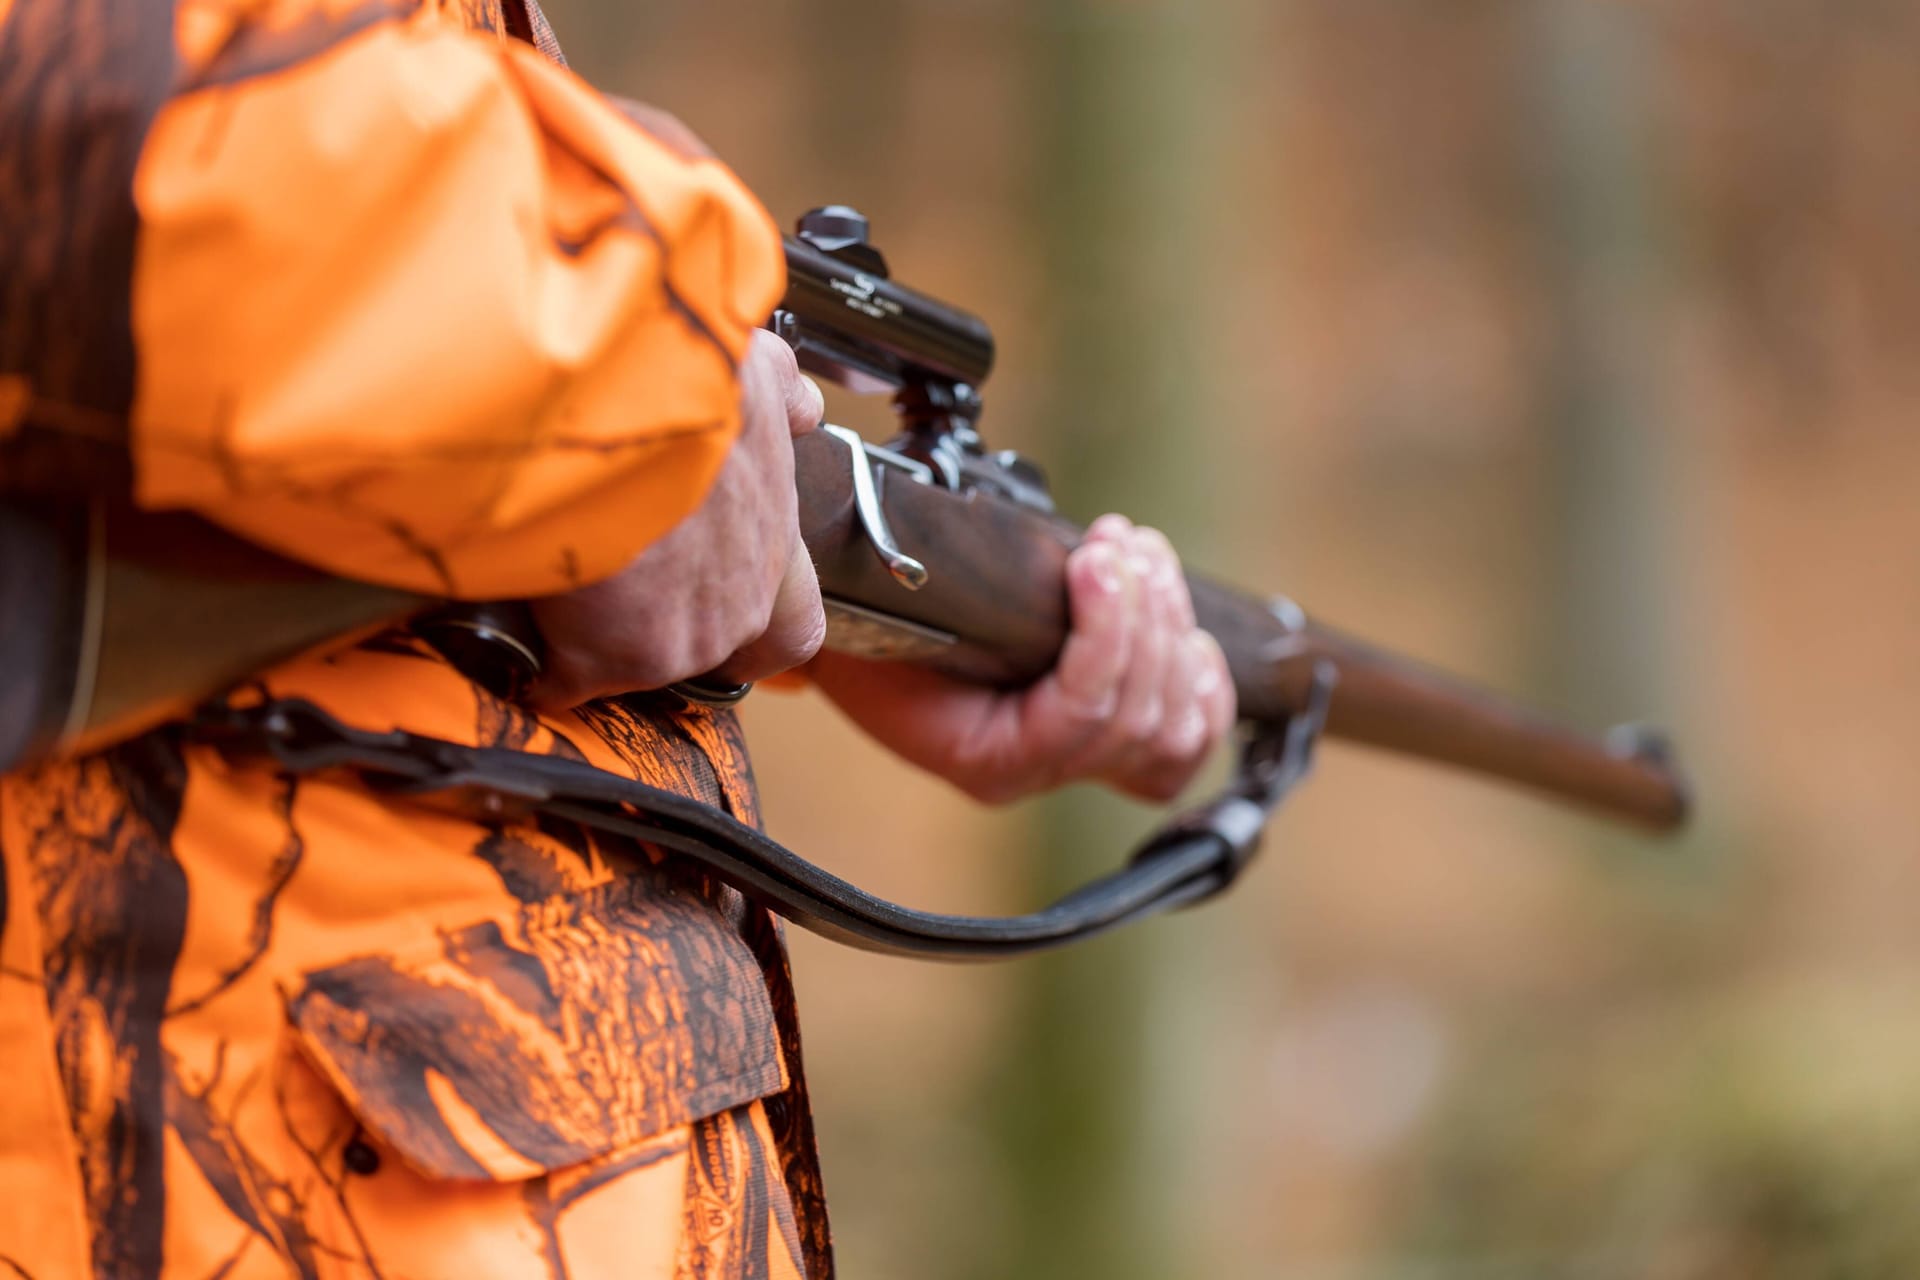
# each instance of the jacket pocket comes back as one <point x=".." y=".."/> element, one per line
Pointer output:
<point x="547" y="1035"/>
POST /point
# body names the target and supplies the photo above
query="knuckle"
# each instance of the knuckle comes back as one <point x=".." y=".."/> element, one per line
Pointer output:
<point x="1089" y="699"/>
<point x="1155" y="542"/>
<point x="706" y="651"/>
<point x="807" y="636"/>
<point x="1129" y="734"/>
<point x="1089" y="713"/>
<point x="1140" y="724"/>
<point x="1186" y="741"/>
<point x="726" y="635"/>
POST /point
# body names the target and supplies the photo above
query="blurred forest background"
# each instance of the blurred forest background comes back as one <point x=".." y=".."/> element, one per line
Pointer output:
<point x="1571" y="345"/>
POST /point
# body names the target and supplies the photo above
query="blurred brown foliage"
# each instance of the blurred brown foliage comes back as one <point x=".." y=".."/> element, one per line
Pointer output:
<point x="1567" y="344"/>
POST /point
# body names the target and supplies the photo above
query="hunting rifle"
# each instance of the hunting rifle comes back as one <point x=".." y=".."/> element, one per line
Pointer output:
<point x="931" y="549"/>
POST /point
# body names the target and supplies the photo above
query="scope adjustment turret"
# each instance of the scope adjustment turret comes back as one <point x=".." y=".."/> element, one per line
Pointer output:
<point x="840" y="231"/>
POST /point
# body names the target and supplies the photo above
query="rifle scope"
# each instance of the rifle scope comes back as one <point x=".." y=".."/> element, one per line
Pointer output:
<point x="847" y="321"/>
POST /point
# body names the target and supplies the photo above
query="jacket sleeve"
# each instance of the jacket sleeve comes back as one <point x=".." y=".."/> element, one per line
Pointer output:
<point x="419" y="307"/>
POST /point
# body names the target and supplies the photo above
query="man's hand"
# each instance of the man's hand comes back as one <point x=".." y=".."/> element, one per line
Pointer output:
<point x="1139" y="699"/>
<point x="729" y="590"/>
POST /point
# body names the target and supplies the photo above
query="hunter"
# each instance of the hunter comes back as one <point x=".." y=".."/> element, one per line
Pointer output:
<point x="382" y="286"/>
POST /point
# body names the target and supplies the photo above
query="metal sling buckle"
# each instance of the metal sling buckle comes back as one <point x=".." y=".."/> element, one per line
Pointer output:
<point x="1191" y="858"/>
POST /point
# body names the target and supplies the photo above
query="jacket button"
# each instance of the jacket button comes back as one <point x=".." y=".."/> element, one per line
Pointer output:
<point x="360" y="1158"/>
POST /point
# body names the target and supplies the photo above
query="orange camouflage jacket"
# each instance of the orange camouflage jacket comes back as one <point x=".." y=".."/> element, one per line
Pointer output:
<point x="379" y="284"/>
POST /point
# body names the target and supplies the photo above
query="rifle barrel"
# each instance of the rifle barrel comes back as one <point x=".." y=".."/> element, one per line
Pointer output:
<point x="1396" y="704"/>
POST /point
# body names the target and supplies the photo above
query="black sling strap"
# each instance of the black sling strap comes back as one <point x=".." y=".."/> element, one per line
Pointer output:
<point x="1193" y="857"/>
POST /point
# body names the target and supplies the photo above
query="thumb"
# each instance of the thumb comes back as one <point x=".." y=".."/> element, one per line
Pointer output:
<point x="806" y="406"/>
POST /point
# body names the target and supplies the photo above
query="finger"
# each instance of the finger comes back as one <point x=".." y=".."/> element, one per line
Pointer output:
<point x="796" y="627"/>
<point x="1137" y="707"/>
<point x="806" y="405"/>
<point x="1177" y="599"/>
<point x="1188" y="733"/>
<point x="1011" y="745"/>
<point x="563" y="684"/>
<point x="1160" y="761"/>
<point x="1074" y="704"/>
<point x="804" y="401"/>
<point x="1183" y="722"/>
<point x="1217" y="696"/>
<point x="1019" y="743"/>
<point x="1054" y="728"/>
<point x="572" y="673"/>
<point x="1087" y="677"/>
<point x="568" y="678"/>
<point x="1094" y="657"/>
<point x="1184" y="731"/>
<point x="1112" y="527"/>
<point x="1190" y="743"/>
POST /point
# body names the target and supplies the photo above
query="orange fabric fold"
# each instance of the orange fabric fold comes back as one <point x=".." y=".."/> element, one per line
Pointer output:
<point x="420" y="307"/>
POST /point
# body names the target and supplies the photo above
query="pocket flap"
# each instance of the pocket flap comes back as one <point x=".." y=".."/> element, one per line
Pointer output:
<point x="563" y="1029"/>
